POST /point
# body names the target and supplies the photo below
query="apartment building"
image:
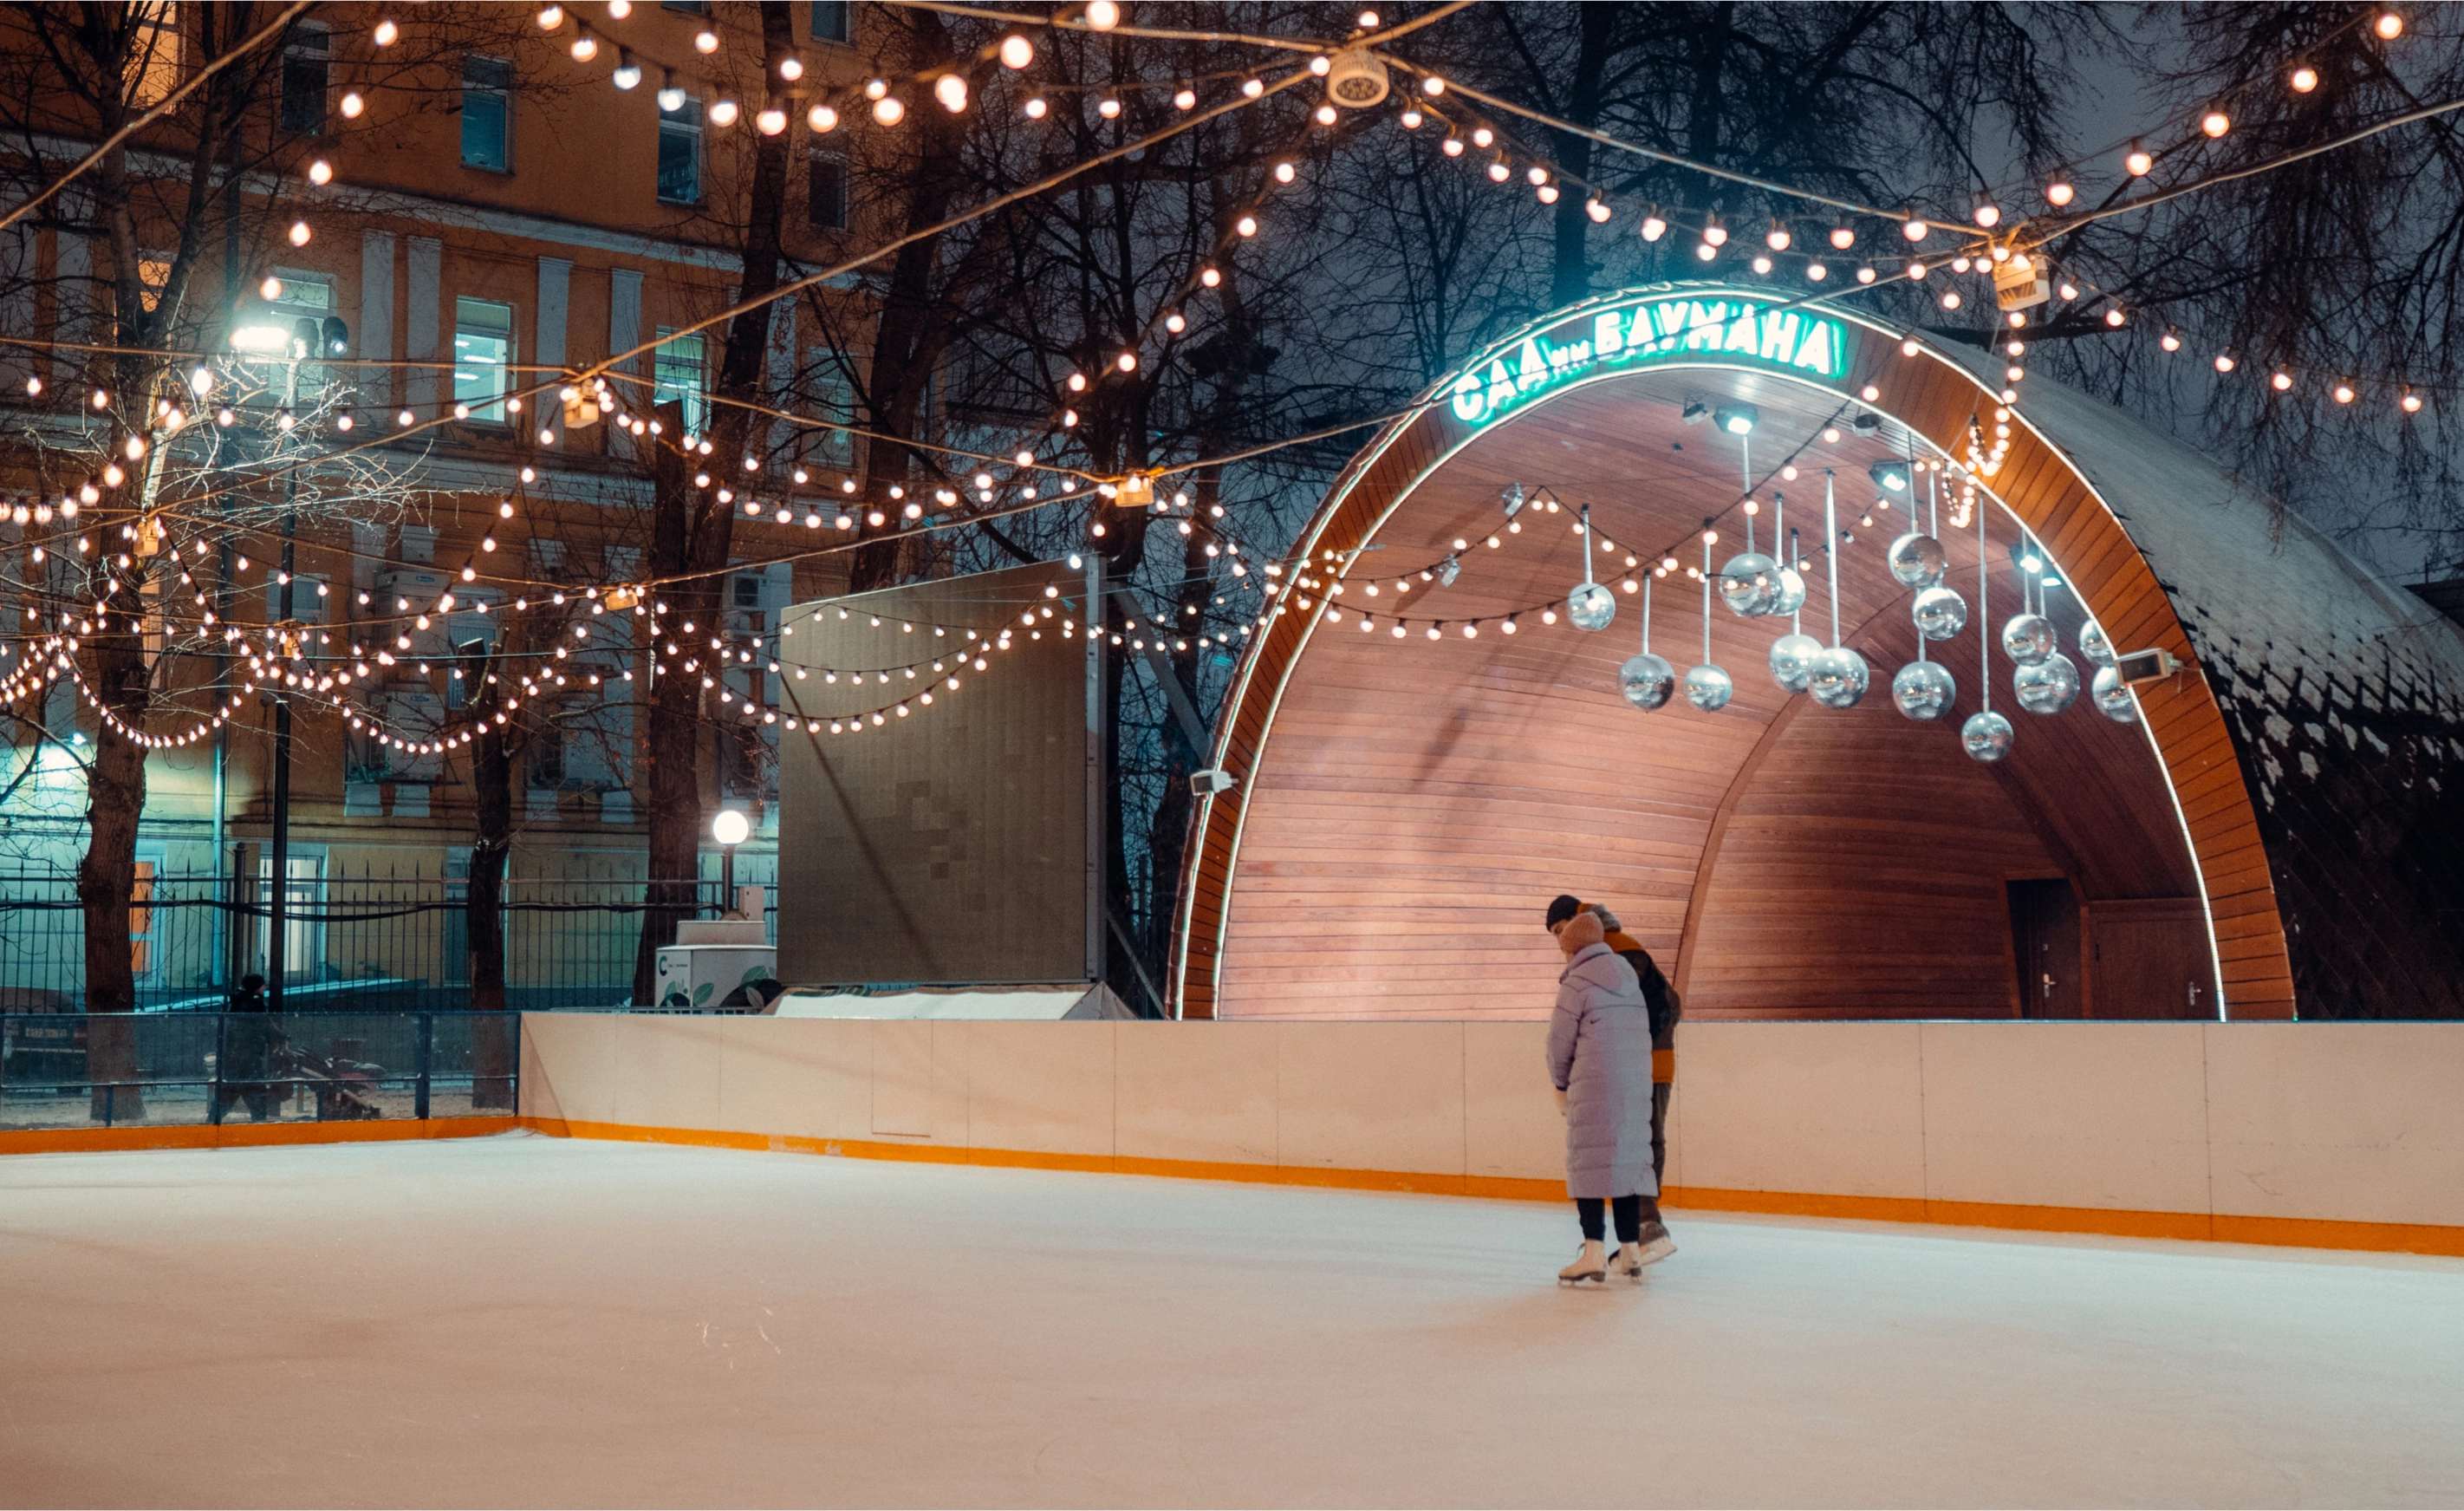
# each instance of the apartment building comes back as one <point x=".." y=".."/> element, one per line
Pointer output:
<point x="501" y="213"/>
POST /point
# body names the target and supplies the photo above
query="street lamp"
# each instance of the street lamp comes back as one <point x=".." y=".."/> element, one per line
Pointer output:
<point x="730" y="829"/>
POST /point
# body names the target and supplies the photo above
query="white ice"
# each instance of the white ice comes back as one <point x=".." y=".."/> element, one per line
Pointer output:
<point x="532" y="1321"/>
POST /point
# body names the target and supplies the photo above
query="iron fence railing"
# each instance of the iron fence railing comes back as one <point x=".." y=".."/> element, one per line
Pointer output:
<point x="352" y="944"/>
<point x="73" y="1070"/>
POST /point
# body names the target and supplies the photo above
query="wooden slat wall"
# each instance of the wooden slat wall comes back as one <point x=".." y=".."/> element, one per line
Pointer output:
<point x="1395" y="841"/>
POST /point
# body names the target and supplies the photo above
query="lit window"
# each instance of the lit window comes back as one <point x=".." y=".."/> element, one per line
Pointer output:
<point x="152" y="70"/>
<point x="152" y="273"/>
<point x="829" y="20"/>
<point x="680" y="154"/>
<point x="677" y="377"/>
<point x="483" y="351"/>
<point x="486" y="112"/>
<point x="826" y="197"/>
<point x="305" y="65"/>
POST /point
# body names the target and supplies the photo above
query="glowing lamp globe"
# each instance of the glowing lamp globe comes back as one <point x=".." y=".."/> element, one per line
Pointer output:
<point x="1987" y="737"/>
<point x="1840" y="679"/>
<point x="730" y="827"/>
<point x="1939" y="612"/>
<point x="1917" y="561"/>
<point x="1924" y="690"/>
<point x="1791" y="661"/>
<point x="1647" y="680"/>
<point x="1708" y="688"/>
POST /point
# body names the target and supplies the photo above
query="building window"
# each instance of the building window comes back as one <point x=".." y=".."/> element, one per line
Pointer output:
<point x="153" y="272"/>
<point x="483" y="352"/>
<point x="831" y="20"/>
<point x="486" y="112"/>
<point x="152" y="70"/>
<point x="825" y="192"/>
<point x="680" y="154"/>
<point x="833" y="402"/>
<point x="304" y="64"/>
<point x="677" y="377"/>
<point x="685" y="7"/>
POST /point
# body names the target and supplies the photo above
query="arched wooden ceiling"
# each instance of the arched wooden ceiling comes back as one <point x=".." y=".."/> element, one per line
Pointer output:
<point x="1408" y="806"/>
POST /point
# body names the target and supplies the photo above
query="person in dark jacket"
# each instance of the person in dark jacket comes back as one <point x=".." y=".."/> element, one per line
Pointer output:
<point x="1599" y="1061"/>
<point x="247" y="1059"/>
<point x="1662" y="1000"/>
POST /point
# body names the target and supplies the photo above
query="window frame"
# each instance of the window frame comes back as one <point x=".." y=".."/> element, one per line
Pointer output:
<point x="846" y="29"/>
<point x="697" y="399"/>
<point x="686" y="122"/>
<point x="504" y="370"/>
<point x="815" y="158"/>
<point x="502" y="92"/>
<point x="321" y="52"/>
<point x="151" y="71"/>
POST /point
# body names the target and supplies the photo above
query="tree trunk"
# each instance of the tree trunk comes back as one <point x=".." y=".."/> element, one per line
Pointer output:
<point x="107" y="875"/>
<point x="691" y="535"/>
<point x="491" y="844"/>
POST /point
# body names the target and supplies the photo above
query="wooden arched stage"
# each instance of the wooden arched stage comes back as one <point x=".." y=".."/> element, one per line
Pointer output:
<point x="1406" y="806"/>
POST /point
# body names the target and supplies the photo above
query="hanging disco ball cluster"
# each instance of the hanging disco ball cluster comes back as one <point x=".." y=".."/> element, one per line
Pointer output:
<point x="1756" y="585"/>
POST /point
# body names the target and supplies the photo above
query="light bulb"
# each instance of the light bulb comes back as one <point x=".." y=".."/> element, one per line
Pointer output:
<point x="1816" y="272"/>
<point x="723" y="112"/>
<point x="1762" y="263"/>
<point x="1842" y="238"/>
<point x="2281" y="381"/>
<point x="791" y="68"/>
<point x="2224" y="363"/>
<point x="1035" y="109"/>
<point x="1246" y="225"/>
<point x="550" y="17"/>
<point x="2344" y="394"/>
<point x="1653" y="227"/>
<point x="2411" y="403"/>
<point x="1714" y="234"/>
<point x="1452" y="146"/>
<point x="1989" y="215"/>
<point x="771" y="121"/>
<point x="1411" y="118"/>
<point x="1184" y="100"/>
<point x="2113" y="317"/>
<point x="2390" y="26"/>
<point x="585" y="47"/>
<point x="821" y="118"/>
<point x="628" y="74"/>
<point x="1127" y="362"/>
<point x="2170" y="341"/>
<point x="1483" y="137"/>
<point x="1016" y="52"/>
<point x="386" y="32"/>
<point x="1500" y="172"/>
<point x="320" y="171"/>
<point x="1597" y="209"/>
<point x="952" y="91"/>
<point x="1210" y="277"/>
<point x="1321" y="65"/>
<point x="671" y="98"/>
<point x="2215" y="122"/>
<point x="1778" y="238"/>
<point x="1705" y="251"/>
<point x="2304" y="80"/>
<point x="1103" y="14"/>
<point x="1914" y="229"/>
<point x="2058" y="192"/>
<point x="300" y="233"/>
<point x="352" y="105"/>
<point x="1283" y="173"/>
<point x="706" y="41"/>
<point x="2137" y="162"/>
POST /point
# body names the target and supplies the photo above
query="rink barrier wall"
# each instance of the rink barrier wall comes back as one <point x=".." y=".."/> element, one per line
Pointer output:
<point x="2312" y="1135"/>
<point x="247" y="1135"/>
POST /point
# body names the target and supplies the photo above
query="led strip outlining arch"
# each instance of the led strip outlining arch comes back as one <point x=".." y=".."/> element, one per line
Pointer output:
<point x="1844" y="355"/>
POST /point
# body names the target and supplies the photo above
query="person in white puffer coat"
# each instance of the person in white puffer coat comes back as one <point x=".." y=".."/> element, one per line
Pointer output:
<point x="1599" y="1061"/>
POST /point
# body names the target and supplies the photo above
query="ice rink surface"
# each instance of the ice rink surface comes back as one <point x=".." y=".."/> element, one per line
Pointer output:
<point x="526" y="1321"/>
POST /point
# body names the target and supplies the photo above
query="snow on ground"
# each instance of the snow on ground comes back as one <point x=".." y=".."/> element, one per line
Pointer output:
<point x="534" y="1322"/>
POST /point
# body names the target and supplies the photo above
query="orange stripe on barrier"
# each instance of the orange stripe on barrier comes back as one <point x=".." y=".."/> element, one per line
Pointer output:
<point x="247" y="1135"/>
<point x="2298" y="1232"/>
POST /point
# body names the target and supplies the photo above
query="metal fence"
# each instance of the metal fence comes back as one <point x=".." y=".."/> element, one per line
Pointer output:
<point x="361" y="945"/>
<point x="71" y="1070"/>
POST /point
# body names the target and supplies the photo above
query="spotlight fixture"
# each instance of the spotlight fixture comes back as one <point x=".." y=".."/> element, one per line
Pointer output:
<point x="1737" y="419"/>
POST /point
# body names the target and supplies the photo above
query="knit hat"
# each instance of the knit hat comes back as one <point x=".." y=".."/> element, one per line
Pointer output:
<point x="1563" y="906"/>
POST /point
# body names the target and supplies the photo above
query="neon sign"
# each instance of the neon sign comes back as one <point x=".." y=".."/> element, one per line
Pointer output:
<point x="1655" y="331"/>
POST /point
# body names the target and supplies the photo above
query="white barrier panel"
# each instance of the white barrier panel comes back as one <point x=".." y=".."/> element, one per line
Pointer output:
<point x="2342" y="1134"/>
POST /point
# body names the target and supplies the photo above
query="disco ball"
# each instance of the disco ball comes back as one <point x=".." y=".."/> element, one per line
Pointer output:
<point x="1924" y="690"/>
<point x="1749" y="585"/>
<point x="1917" y="561"/>
<point x="2028" y="638"/>
<point x="1647" y="681"/>
<point x="1987" y="737"/>
<point x="1791" y="661"/>
<point x="1708" y="688"/>
<point x="2048" y="686"/>
<point x="2112" y="699"/>
<point x="1939" y="612"/>
<point x="1590" y="606"/>
<point x="1790" y="596"/>
<point x="2094" y="645"/>
<point x="1839" y="677"/>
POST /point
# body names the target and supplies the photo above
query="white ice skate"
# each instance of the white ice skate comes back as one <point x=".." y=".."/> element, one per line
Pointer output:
<point x="1588" y="1265"/>
<point x="1631" y="1257"/>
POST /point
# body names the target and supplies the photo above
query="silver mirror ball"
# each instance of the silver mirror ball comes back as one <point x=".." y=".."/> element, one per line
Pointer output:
<point x="1790" y="596"/>
<point x="2028" y="638"/>
<point x="2048" y="686"/>
<point x="1839" y="677"/>
<point x="2094" y="645"/>
<point x="1791" y="661"/>
<point x="1924" y="690"/>
<point x="1987" y="737"/>
<point x="1647" y="681"/>
<point x="2112" y="699"/>
<point x="1940" y="612"/>
<point x="1708" y="688"/>
<point x="1917" y="561"/>
<point x="1749" y="585"/>
<point x="1590" y="606"/>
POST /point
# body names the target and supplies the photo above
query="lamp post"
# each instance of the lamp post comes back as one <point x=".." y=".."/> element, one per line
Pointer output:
<point x="730" y="829"/>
